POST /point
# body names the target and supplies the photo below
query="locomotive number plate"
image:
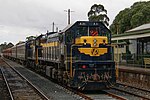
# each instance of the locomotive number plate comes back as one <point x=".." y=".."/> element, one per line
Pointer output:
<point x="95" y="51"/>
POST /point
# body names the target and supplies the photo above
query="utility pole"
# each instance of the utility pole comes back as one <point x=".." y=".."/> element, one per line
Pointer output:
<point x="68" y="16"/>
<point x="117" y="70"/>
<point x="56" y="29"/>
<point x="69" y="12"/>
<point x="53" y="27"/>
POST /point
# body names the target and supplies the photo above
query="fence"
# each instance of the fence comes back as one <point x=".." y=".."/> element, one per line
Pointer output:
<point x="132" y="59"/>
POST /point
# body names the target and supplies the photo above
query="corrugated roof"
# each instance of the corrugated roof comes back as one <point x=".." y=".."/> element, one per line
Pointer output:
<point x="134" y="36"/>
<point x="142" y="27"/>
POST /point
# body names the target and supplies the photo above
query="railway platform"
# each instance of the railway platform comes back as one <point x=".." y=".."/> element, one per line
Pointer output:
<point x="134" y="76"/>
<point x="133" y="69"/>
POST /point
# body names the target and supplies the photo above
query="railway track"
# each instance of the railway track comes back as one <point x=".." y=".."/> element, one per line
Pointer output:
<point x="5" y="95"/>
<point x="7" y="85"/>
<point x="92" y="95"/>
<point x="79" y="95"/>
<point x="130" y="92"/>
<point x="75" y="94"/>
<point x="103" y="95"/>
<point x="121" y="92"/>
<point x="18" y="86"/>
<point x="137" y="92"/>
<point x="56" y="94"/>
<point x="52" y="90"/>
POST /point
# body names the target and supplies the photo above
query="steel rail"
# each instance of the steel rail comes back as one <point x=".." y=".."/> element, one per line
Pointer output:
<point x="89" y="98"/>
<point x="35" y="88"/>
<point x="143" y="97"/>
<point x="83" y="95"/>
<point x="8" y="87"/>
<point x="115" y="96"/>
<point x="133" y="87"/>
<point x="77" y="92"/>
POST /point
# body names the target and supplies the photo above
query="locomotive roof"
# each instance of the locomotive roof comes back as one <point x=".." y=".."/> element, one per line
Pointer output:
<point x="84" y="23"/>
<point x="39" y="36"/>
<point x="21" y="44"/>
<point x="53" y="35"/>
<point x="48" y="34"/>
<point x="67" y="27"/>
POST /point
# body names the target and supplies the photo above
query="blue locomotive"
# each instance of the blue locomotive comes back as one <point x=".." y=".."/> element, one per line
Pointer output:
<point x="79" y="56"/>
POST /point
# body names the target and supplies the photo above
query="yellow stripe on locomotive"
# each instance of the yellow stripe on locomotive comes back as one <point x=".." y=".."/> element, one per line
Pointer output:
<point x="94" y="42"/>
<point x="51" y="44"/>
<point x="93" y="51"/>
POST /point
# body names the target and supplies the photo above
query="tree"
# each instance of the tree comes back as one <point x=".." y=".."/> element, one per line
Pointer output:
<point x="136" y="15"/>
<point x="9" y="45"/>
<point x="5" y="46"/>
<point x="98" y="13"/>
<point x="30" y="38"/>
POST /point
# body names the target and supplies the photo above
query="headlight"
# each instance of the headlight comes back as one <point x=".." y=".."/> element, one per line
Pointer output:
<point x="95" y="44"/>
<point x="95" y="40"/>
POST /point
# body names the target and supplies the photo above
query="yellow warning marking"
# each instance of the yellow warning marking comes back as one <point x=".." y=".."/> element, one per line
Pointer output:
<point x="95" y="52"/>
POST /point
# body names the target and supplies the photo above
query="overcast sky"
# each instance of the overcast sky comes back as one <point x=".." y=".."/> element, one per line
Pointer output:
<point x="22" y="18"/>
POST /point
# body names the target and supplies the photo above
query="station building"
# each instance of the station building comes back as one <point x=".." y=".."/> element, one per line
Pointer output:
<point x="133" y="46"/>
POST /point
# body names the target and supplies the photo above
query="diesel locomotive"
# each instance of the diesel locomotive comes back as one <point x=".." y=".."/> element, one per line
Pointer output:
<point x="80" y="56"/>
